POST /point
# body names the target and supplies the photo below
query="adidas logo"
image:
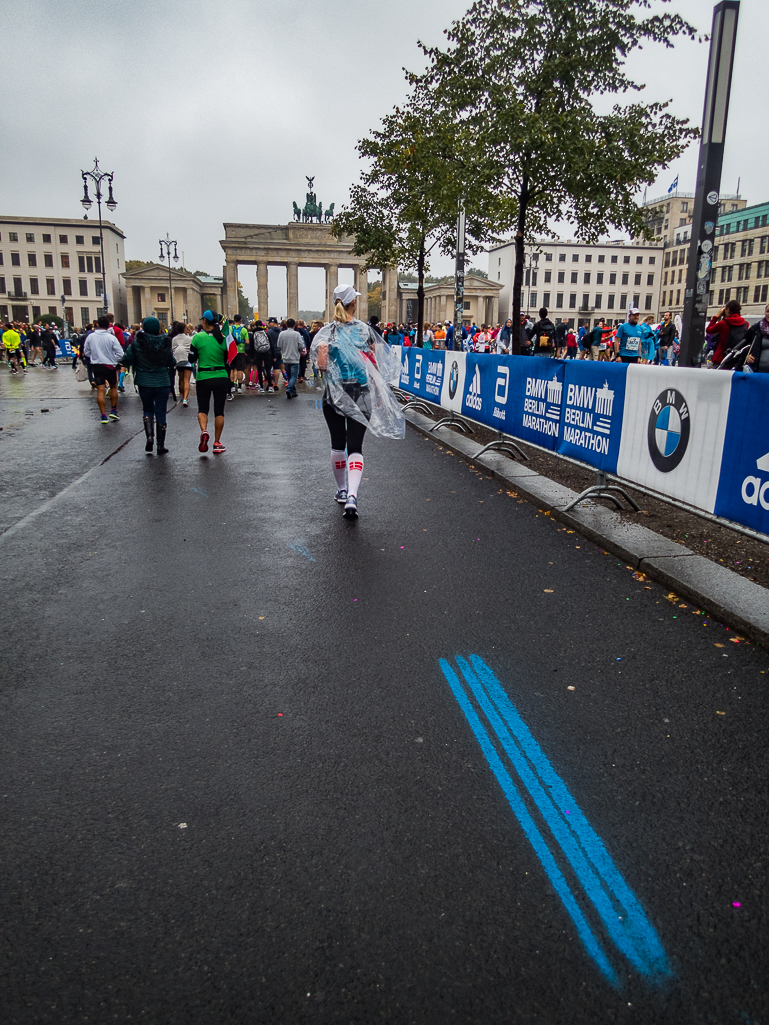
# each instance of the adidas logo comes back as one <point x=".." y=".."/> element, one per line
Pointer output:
<point x="473" y="399"/>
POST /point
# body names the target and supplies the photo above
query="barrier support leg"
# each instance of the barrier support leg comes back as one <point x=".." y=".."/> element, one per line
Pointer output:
<point x="506" y="445"/>
<point x="452" y="421"/>
<point x="602" y="489"/>
<point x="420" y="407"/>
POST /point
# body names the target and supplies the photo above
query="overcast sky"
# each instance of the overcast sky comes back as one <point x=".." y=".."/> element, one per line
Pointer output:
<point x="214" y="111"/>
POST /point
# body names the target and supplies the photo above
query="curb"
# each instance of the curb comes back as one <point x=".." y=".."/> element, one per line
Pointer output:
<point x="730" y="598"/>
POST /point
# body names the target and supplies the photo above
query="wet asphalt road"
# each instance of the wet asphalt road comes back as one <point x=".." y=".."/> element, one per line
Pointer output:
<point x="205" y="641"/>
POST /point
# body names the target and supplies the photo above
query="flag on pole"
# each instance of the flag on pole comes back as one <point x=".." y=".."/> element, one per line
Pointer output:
<point x="673" y="186"/>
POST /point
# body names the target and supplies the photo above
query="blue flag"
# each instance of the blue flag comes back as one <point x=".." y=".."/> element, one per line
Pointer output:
<point x="673" y="186"/>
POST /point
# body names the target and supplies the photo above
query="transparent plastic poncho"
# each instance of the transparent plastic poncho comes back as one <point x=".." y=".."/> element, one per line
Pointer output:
<point x="360" y="370"/>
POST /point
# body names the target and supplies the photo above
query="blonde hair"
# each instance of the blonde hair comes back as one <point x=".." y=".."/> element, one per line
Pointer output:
<point x="341" y="316"/>
<point x="649" y="319"/>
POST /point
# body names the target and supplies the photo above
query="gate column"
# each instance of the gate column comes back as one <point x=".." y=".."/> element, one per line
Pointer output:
<point x="361" y="285"/>
<point x="332" y="280"/>
<point x="261" y="290"/>
<point x="292" y="281"/>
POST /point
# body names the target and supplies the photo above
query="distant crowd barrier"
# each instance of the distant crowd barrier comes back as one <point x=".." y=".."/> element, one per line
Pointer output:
<point x="698" y="436"/>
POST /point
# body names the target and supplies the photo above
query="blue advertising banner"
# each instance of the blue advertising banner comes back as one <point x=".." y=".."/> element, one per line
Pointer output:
<point x="593" y="403"/>
<point x="422" y="372"/>
<point x="743" y="487"/>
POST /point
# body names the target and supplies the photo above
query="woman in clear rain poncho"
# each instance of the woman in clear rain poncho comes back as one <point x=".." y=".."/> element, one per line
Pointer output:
<point x="358" y="369"/>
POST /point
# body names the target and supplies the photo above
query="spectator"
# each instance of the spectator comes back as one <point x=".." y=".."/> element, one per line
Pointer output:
<point x="505" y="338"/>
<point x="728" y="329"/>
<point x="666" y="336"/>
<point x="543" y="334"/>
<point x="571" y="344"/>
<point x="561" y="330"/>
<point x="758" y="336"/>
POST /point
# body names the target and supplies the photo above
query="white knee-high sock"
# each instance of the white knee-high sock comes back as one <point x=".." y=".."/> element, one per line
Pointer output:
<point x="354" y="472"/>
<point x="339" y="467"/>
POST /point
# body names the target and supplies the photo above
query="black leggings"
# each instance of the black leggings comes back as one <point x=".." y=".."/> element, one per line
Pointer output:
<point x="219" y="387"/>
<point x="345" y="432"/>
<point x="263" y="363"/>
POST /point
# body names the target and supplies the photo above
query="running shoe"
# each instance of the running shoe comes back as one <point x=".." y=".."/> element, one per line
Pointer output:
<point x="341" y="496"/>
<point x="229" y="397"/>
<point x="218" y="448"/>
<point x="113" y="415"/>
<point x="25" y="371"/>
<point x="351" y="508"/>
<point x="270" y="390"/>
<point x="105" y="419"/>
<point x="185" y="402"/>
<point x="121" y="388"/>
<point x="203" y="446"/>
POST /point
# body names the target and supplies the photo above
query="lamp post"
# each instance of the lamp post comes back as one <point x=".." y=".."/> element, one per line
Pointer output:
<point x="65" y="324"/>
<point x="706" y="197"/>
<point x="165" y="254"/>
<point x="97" y="176"/>
<point x="533" y="262"/>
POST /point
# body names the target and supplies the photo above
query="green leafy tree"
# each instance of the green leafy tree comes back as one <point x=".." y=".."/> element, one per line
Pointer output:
<point x="138" y="264"/>
<point x="375" y="299"/>
<point x="522" y="77"/>
<point x="478" y="272"/>
<point x="406" y="204"/>
<point x="245" y="309"/>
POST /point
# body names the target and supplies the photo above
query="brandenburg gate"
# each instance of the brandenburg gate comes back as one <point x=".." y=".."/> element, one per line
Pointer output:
<point x="292" y="246"/>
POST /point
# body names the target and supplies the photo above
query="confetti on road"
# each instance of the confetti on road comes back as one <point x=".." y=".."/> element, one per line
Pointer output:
<point x="548" y="590"/>
<point x="182" y="825"/>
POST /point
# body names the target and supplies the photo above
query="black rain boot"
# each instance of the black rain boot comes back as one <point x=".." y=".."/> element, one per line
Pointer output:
<point x="162" y="439"/>
<point x="149" y="430"/>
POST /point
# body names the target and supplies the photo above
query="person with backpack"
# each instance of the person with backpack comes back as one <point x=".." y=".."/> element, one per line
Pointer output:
<point x="262" y="359"/>
<point x="543" y="335"/>
<point x="152" y="358"/>
<point x="758" y="336"/>
<point x="180" y="337"/>
<point x="728" y="329"/>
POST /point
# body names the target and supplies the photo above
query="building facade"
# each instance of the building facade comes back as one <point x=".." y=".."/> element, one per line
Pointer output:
<point x="182" y="296"/>
<point x="481" y="301"/>
<point x="670" y="216"/>
<point x="579" y="281"/>
<point x="44" y="259"/>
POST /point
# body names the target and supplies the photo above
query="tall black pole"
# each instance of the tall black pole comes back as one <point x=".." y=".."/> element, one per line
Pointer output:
<point x="97" y="176"/>
<point x="165" y="253"/>
<point x="459" y="279"/>
<point x="706" y="199"/>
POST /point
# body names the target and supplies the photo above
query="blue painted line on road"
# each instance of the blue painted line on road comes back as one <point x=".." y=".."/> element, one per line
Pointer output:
<point x="301" y="550"/>
<point x="533" y="835"/>
<point x="604" y="888"/>
<point x="201" y="491"/>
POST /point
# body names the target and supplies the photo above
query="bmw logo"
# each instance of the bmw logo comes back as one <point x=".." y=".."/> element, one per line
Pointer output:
<point x="453" y="379"/>
<point x="668" y="432"/>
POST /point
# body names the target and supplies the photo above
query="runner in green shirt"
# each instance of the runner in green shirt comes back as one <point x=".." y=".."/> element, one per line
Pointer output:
<point x="238" y="365"/>
<point x="209" y="351"/>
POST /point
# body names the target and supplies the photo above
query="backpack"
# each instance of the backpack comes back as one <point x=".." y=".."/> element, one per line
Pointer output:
<point x="261" y="342"/>
<point x="736" y="336"/>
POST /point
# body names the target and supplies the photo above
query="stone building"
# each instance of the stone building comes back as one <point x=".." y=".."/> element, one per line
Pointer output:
<point x="45" y="258"/>
<point x="481" y="302"/>
<point x="579" y="281"/>
<point x="183" y="296"/>
<point x="670" y="216"/>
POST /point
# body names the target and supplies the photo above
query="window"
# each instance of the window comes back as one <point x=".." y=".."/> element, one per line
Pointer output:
<point x="2" y="288"/>
<point x="65" y="259"/>
<point x="730" y="273"/>
<point x="466" y="306"/>
<point x="89" y="264"/>
<point x="744" y="247"/>
<point x="163" y="317"/>
<point x="751" y="243"/>
<point x="13" y="236"/>
<point x="63" y="240"/>
<point x="625" y="278"/>
<point x="18" y="287"/>
<point x="648" y="302"/>
<point x="711" y="297"/>
<point x="665" y="278"/>
<point x="610" y="302"/>
<point x="533" y="280"/>
<point x="574" y="257"/>
<point x="85" y="314"/>
<point x="36" y="313"/>
<point x="639" y="259"/>
<point x="34" y="286"/>
<point x="80" y="241"/>
<point x="622" y="302"/>
<point x="667" y="208"/>
<point x="720" y="297"/>
<point x="612" y="279"/>
<point x="667" y="260"/>
<point x="83" y="287"/>
<point x="32" y="259"/>
<point x="30" y="237"/>
<point x="161" y="297"/>
<point x="602" y="259"/>
<point x="94" y="240"/>
<point x="533" y="299"/>
<point x="598" y="300"/>
<point x="574" y="277"/>
<point x="585" y="301"/>
<point x="546" y="299"/>
<point x="650" y="281"/>
<point x="734" y="206"/>
<point x="760" y="269"/>
<point x="52" y="310"/>
<point x="46" y="240"/>
<point x="548" y="257"/>
<point x="99" y="287"/>
<point x="674" y="260"/>
<point x="757" y="294"/>
<point x="715" y="253"/>
<point x="599" y="279"/>
<point x="684" y="207"/>
<point x="66" y="286"/>
<point x="682" y="222"/>
<point x="1" y="259"/>
<point x="637" y="300"/>
<point x="586" y="280"/>
<point x="664" y="297"/>
<point x="81" y="264"/>
<point x="561" y="277"/>
<point x="637" y="279"/>
<point x="588" y="258"/>
<point x="548" y="276"/>
<point x="48" y="259"/>
<point x="764" y="289"/>
<point x="747" y="271"/>
<point x="527" y="277"/>
<point x="652" y="260"/>
<point x="572" y="301"/>
<point x="626" y="259"/>
<point x="50" y="286"/>
<point x="559" y="300"/>
<point x="678" y="297"/>
<point x="614" y="259"/>
<point x="15" y="260"/>
<point x="727" y="229"/>
<point x="562" y="257"/>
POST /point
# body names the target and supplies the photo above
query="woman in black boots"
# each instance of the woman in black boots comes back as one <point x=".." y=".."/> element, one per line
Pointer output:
<point x="152" y="358"/>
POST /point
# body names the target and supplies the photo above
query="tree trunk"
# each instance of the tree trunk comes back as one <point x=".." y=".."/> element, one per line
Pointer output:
<point x="420" y="293"/>
<point x="523" y="202"/>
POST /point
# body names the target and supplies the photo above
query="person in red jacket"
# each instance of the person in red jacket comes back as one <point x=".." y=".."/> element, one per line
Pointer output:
<point x="729" y="328"/>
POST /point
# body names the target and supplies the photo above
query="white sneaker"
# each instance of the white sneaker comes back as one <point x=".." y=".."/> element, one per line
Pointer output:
<point x="341" y="496"/>
<point x="229" y="397"/>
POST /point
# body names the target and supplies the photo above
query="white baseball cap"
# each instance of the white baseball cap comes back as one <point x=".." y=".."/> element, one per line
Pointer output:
<point x="634" y="309"/>
<point x="345" y="294"/>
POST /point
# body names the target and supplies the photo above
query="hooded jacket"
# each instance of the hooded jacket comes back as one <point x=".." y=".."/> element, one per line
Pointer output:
<point x="722" y="328"/>
<point x="152" y="358"/>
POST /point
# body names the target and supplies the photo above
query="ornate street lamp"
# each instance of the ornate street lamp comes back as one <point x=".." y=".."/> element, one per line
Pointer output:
<point x="165" y="254"/>
<point x="97" y="176"/>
